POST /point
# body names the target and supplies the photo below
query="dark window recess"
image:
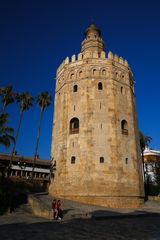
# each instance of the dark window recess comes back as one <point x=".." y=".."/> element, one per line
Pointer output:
<point x="75" y="88"/>
<point x="73" y="160"/>
<point x="101" y="159"/>
<point x="122" y="90"/>
<point x="74" y="125"/>
<point x="74" y="107"/>
<point x="124" y="127"/>
<point x="126" y="160"/>
<point x="100" y="86"/>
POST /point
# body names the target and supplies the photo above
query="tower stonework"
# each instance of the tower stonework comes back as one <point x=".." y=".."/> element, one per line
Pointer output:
<point x="95" y="142"/>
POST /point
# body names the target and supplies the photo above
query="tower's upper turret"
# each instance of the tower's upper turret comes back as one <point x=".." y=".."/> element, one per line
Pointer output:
<point x="92" y="42"/>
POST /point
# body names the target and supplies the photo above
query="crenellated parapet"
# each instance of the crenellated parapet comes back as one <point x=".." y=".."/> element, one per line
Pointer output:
<point x="116" y="58"/>
<point x="93" y="55"/>
<point x="112" y="67"/>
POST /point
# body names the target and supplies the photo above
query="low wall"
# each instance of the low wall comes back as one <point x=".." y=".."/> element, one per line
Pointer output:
<point x="39" y="208"/>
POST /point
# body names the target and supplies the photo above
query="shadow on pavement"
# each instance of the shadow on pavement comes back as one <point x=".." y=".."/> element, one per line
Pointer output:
<point x="139" y="226"/>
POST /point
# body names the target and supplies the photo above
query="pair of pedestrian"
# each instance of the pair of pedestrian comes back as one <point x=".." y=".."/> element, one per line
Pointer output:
<point x="56" y="209"/>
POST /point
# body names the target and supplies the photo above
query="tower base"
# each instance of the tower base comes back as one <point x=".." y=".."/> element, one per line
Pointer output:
<point x="109" y="202"/>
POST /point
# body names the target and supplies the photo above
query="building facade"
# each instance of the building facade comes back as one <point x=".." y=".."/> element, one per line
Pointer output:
<point x="95" y="142"/>
<point x="152" y="165"/>
<point x="22" y="166"/>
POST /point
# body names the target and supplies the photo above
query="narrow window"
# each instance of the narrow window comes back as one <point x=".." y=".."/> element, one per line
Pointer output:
<point x="80" y="74"/>
<point x="73" y="160"/>
<point x="100" y="106"/>
<point x="73" y="144"/>
<point x="74" y="107"/>
<point x="74" y="125"/>
<point x="75" y="88"/>
<point x="126" y="160"/>
<point x="100" y="86"/>
<point x="94" y="71"/>
<point x="124" y="127"/>
<point x="122" y="90"/>
<point x="72" y="76"/>
<point x="101" y="125"/>
<point x="101" y="159"/>
<point x="104" y="72"/>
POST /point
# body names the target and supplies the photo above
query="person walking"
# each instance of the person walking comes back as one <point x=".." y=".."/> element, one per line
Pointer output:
<point x="54" y="209"/>
<point x="60" y="215"/>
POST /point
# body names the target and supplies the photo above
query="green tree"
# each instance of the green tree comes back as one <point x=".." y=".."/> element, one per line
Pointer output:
<point x="43" y="100"/>
<point x="7" y="96"/>
<point x="25" y="101"/>
<point x="6" y="133"/>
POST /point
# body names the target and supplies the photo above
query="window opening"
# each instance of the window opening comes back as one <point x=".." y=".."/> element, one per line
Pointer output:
<point x="124" y="127"/>
<point x="100" y="86"/>
<point x="73" y="160"/>
<point x="75" y="88"/>
<point x="101" y="159"/>
<point x="74" y="125"/>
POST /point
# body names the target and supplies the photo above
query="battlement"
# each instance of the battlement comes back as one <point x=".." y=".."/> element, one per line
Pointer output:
<point x="95" y="55"/>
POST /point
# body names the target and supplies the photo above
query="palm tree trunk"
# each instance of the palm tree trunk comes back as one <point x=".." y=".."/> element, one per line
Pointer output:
<point x="14" y="146"/>
<point x="37" y="142"/>
<point x="4" y="108"/>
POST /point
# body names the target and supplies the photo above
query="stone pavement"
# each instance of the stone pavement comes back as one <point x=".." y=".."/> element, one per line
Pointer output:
<point x="73" y="209"/>
<point x="99" y="223"/>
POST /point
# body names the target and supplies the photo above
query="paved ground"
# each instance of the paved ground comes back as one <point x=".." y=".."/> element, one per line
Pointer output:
<point x="99" y="224"/>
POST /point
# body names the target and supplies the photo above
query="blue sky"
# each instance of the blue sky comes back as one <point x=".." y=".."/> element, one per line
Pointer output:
<point x="36" y="35"/>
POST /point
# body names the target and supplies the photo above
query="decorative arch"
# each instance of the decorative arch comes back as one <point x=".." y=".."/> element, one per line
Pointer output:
<point x="95" y="72"/>
<point x="103" y="72"/>
<point x="124" y="127"/>
<point x="72" y="75"/>
<point x="74" y="125"/>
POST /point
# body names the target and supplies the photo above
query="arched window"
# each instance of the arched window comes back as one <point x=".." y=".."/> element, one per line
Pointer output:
<point x="75" y="88"/>
<point x="100" y="86"/>
<point x="73" y="160"/>
<point x="74" y="125"/>
<point x="103" y="72"/>
<point x="80" y="74"/>
<point x="72" y="76"/>
<point x="124" y="127"/>
<point x="94" y="71"/>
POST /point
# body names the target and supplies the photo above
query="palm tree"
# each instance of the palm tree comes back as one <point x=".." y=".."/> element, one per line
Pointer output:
<point x="144" y="142"/>
<point x="25" y="102"/>
<point x="7" y="96"/>
<point x="5" y="131"/>
<point x="43" y="100"/>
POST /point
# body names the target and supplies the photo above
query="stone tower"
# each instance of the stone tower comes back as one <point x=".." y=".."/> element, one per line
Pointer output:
<point x="95" y="143"/>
